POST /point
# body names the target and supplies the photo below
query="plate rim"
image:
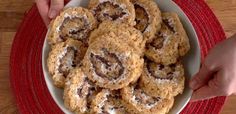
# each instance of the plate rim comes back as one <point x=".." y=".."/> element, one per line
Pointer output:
<point x="47" y="75"/>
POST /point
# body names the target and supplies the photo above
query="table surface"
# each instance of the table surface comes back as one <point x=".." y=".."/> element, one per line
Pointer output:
<point x="12" y="12"/>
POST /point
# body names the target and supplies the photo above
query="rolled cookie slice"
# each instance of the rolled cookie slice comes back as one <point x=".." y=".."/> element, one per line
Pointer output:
<point x="172" y="21"/>
<point x="148" y="18"/>
<point x="79" y="92"/>
<point x="114" y="10"/>
<point x="138" y="102"/>
<point x="73" y="23"/>
<point x="124" y="32"/>
<point x="163" y="81"/>
<point x="108" y="102"/>
<point x="112" y="65"/>
<point x="164" y="47"/>
<point x="64" y="57"/>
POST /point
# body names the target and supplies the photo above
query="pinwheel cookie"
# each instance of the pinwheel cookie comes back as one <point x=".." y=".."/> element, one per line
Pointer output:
<point x="73" y="23"/>
<point x="114" y="10"/>
<point x="64" y="57"/>
<point x="111" y="64"/>
<point x="108" y="102"/>
<point x="148" y="18"/>
<point x="175" y="26"/>
<point x="164" y="47"/>
<point x="163" y="81"/>
<point x="124" y="32"/>
<point x="79" y="92"/>
<point x="138" y="102"/>
<point x="170" y="43"/>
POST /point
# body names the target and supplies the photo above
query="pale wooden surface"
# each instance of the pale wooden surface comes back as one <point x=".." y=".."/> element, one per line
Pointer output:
<point x="12" y="11"/>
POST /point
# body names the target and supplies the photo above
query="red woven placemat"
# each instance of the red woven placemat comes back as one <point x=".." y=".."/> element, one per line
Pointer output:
<point x="27" y="81"/>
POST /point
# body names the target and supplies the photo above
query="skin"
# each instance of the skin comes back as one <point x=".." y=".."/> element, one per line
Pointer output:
<point x="217" y="76"/>
<point x="49" y="9"/>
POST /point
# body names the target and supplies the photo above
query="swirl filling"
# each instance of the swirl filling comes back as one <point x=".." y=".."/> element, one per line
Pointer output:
<point x="169" y="23"/>
<point x="160" y="37"/>
<point x="141" y="18"/>
<point x="77" y="28"/>
<point x="158" y="42"/>
<point x="107" y="66"/>
<point x="109" y="11"/>
<point x="87" y="91"/>
<point x="111" y="104"/>
<point x="142" y="98"/>
<point x="160" y="71"/>
<point x="68" y="60"/>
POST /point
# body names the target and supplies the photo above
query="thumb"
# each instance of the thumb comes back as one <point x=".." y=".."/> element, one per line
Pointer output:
<point x="43" y="9"/>
<point x="202" y="93"/>
<point x="201" y="78"/>
<point x="55" y="8"/>
<point x="210" y="90"/>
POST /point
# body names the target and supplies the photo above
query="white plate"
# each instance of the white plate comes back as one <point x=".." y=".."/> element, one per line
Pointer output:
<point x="191" y="60"/>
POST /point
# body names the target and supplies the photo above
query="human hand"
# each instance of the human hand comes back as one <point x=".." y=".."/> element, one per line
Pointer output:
<point x="217" y="76"/>
<point x="49" y="12"/>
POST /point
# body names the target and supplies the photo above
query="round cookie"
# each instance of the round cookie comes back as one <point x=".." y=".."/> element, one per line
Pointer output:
<point x="108" y="102"/>
<point x="64" y="57"/>
<point x="112" y="65"/>
<point x="164" y="47"/>
<point x="114" y="10"/>
<point x="170" y="42"/>
<point x="126" y="33"/>
<point x="138" y="102"/>
<point x="79" y="92"/>
<point x="174" y="24"/>
<point x="73" y="23"/>
<point x="148" y="18"/>
<point x="163" y="81"/>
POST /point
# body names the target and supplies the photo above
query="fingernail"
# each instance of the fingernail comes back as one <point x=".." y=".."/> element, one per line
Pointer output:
<point x="193" y="84"/>
<point x="52" y="13"/>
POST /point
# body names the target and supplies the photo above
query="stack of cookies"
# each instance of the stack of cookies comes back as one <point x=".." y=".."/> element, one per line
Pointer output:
<point x="118" y="56"/>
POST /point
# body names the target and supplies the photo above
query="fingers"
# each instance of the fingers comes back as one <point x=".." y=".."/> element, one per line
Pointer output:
<point x="55" y="8"/>
<point x="201" y="78"/>
<point x="207" y="91"/>
<point x="43" y="7"/>
<point x="202" y="93"/>
<point x="212" y="89"/>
